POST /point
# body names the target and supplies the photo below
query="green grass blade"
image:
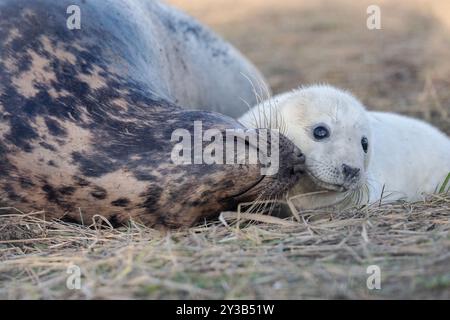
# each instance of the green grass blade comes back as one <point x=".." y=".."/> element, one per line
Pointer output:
<point x="444" y="184"/>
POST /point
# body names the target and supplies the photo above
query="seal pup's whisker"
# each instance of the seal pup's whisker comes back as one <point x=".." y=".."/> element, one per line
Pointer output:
<point x="258" y="98"/>
<point x="252" y="111"/>
<point x="265" y="118"/>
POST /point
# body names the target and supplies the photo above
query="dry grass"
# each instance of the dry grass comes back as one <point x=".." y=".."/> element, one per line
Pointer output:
<point x="405" y="67"/>
<point x="324" y="257"/>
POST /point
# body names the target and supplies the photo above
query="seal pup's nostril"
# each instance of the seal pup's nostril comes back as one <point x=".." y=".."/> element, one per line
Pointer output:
<point x="350" y="172"/>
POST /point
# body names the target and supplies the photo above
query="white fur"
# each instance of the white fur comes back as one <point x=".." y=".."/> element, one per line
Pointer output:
<point x="407" y="157"/>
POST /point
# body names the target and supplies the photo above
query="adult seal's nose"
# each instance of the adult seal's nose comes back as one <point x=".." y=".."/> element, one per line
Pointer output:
<point x="299" y="154"/>
<point x="350" y="172"/>
<point x="299" y="161"/>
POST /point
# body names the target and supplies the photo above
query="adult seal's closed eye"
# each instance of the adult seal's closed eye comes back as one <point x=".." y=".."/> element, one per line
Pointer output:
<point x="357" y="155"/>
<point x="87" y="115"/>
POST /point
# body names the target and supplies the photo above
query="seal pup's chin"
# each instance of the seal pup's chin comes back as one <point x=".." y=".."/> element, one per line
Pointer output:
<point x="345" y="187"/>
<point x="326" y="185"/>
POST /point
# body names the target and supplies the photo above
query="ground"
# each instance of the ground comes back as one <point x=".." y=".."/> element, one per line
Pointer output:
<point x="403" y="67"/>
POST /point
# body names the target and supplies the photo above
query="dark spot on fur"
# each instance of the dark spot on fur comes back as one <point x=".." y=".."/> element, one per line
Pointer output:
<point x="11" y="193"/>
<point x="197" y="203"/>
<point x="94" y="165"/>
<point x="144" y="176"/>
<point x="114" y="221"/>
<point x="161" y="221"/>
<point x="5" y="166"/>
<point x="26" y="182"/>
<point x="52" y="195"/>
<point x="121" y="202"/>
<point x="47" y="146"/>
<point x="52" y="163"/>
<point x="228" y="184"/>
<point x="152" y="196"/>
<point x="179" y="180"/>
<point x="99" y="193"/>
<point x="206" y="193"/>
<point x="67" y="190"/>
<point x="54" y="128"/>
<point x="80" y="181"/>
<point x="55" y="196"/>
<point x="21" y="134"/>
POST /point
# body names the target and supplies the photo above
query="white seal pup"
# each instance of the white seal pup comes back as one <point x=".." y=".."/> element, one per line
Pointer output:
<point x="353" y="153"/>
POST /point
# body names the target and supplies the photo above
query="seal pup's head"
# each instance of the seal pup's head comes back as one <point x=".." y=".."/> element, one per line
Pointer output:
<point x="331" y="128"/>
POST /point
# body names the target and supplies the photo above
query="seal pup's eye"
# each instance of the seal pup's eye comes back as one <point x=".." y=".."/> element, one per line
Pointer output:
<point x="321" y="132"/>
<point x="365" y="144"/>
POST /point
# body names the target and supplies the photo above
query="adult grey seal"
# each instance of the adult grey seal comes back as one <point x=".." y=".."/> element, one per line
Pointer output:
<point x="87" y="114"/>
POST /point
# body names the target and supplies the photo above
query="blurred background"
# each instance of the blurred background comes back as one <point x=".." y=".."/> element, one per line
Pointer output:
<point x="404" y="67"/>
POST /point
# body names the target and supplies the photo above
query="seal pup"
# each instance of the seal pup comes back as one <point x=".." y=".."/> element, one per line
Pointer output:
<point x="357" y="155"/>
<point x="87" y="116"/>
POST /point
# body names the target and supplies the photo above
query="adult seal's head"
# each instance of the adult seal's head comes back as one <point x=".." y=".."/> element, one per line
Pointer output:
<point x="87" y="115"/>
<point x="332" y="129"/>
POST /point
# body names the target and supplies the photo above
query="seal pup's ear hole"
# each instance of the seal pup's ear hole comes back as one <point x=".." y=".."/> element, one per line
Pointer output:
<point x="321" y="132"/>
<point x="365" y="144"/>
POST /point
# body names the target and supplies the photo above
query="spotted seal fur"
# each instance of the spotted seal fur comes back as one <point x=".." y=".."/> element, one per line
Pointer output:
<point x="86" y="115"/>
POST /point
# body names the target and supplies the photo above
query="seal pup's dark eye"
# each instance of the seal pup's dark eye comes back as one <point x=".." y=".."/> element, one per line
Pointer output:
<point x="365" y="144"/>
<point x="321" y="132"/>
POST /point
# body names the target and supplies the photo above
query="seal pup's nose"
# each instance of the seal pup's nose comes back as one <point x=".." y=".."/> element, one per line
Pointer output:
<point x="350" y="172"/>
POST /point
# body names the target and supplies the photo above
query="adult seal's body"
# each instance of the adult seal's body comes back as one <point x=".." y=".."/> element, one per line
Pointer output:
<point x="356" y="155"/>
<point x="87" y="115"/>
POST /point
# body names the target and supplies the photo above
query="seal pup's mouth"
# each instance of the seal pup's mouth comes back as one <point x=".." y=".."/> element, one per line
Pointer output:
<point x="327" y="185"/>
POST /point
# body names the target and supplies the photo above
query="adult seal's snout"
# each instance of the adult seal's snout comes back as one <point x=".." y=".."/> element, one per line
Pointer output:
<point x="87" y="115"/>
